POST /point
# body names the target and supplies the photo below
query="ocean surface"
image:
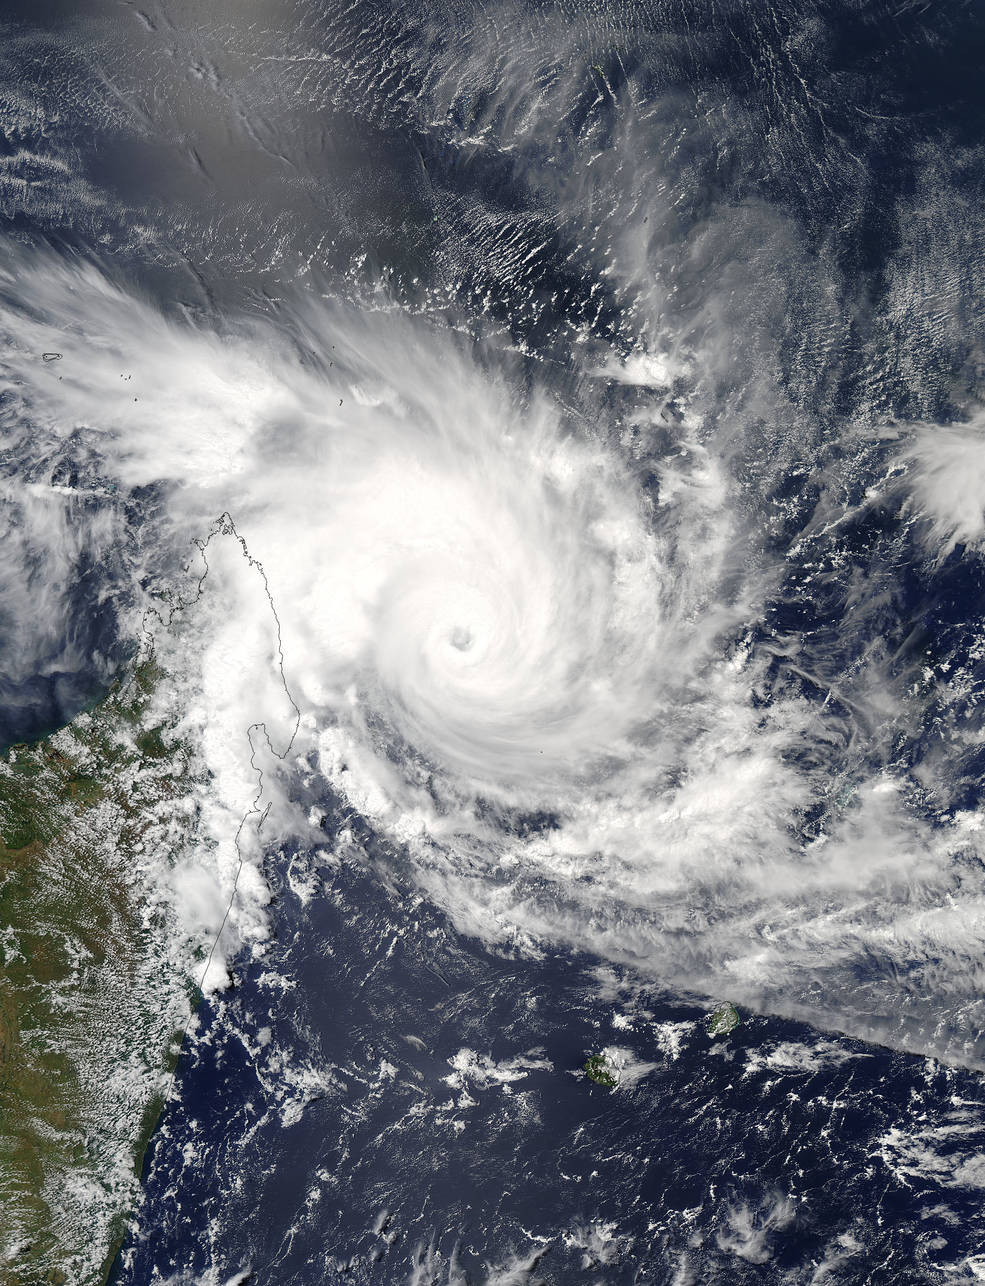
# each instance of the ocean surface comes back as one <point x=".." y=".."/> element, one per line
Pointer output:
<point x="593" y="395"/>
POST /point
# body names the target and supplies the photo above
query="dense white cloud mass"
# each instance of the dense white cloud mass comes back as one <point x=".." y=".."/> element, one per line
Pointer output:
<point x="535" y="677"/>
<point x="947" y="471"/>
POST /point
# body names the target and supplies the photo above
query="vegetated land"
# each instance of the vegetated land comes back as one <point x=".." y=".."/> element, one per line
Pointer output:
<point x="92" y="998"/>
<point x="723" y="1020"/>
<point x="597" y="1070"/>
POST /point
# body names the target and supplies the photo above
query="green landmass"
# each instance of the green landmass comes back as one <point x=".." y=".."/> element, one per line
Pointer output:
<point x="597" y="1070"/>
<point x="91" y="1002"/>
<point x="723" y="1020"/>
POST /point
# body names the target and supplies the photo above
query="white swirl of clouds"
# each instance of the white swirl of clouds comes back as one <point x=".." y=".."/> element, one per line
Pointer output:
<point x="532" y="677"/>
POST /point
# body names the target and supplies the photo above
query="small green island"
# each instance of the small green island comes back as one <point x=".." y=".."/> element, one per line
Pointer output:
<point x="597" y="1069"/>
<point x="723" y="1020"/>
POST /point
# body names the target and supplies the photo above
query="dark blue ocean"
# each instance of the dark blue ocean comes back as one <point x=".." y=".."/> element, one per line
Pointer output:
<point x="777" y="1154"/>
<point x="379" y="1097"/>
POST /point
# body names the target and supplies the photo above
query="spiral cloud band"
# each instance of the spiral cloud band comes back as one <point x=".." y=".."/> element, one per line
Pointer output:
<point x="530" y="653"/>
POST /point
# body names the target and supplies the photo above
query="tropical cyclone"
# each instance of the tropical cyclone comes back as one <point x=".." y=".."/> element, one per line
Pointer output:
<point x="535" y="655"/>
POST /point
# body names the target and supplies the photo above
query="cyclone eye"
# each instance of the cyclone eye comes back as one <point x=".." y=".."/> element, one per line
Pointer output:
<point x="461" y="637"/>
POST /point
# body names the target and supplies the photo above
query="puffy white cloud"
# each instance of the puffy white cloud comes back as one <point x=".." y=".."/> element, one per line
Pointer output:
<point x="946" y="475"/>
